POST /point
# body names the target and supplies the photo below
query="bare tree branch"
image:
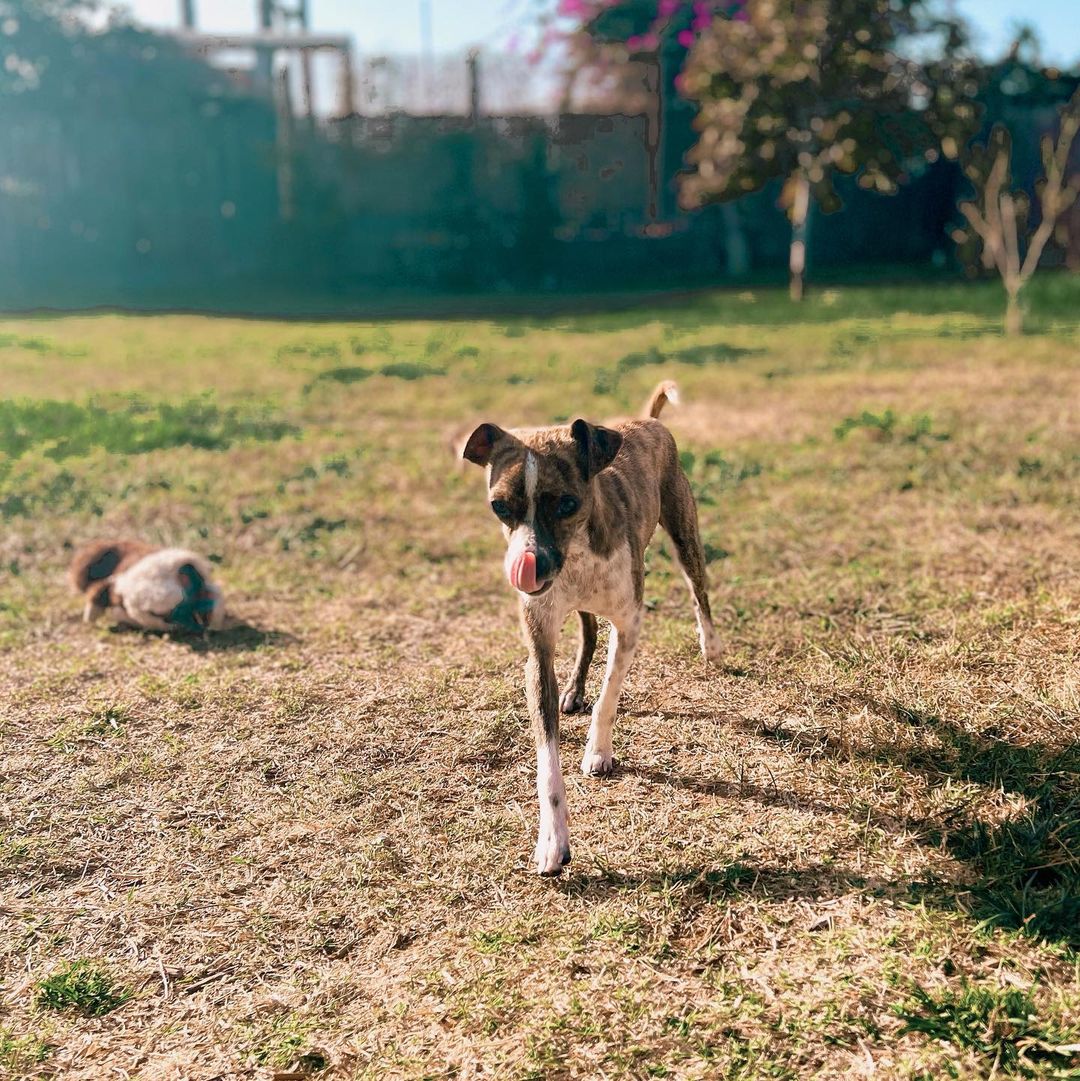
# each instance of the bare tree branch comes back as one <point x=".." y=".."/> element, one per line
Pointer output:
<point x="1057" y="193"/>
<point x="995" y="216"/>
<point x="1010" y="241"/>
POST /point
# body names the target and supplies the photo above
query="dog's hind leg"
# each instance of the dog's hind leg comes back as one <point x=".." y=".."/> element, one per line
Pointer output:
<point x="598" y="759"/>
<point x="573" y="699"/>
<point x="678" y="516"/>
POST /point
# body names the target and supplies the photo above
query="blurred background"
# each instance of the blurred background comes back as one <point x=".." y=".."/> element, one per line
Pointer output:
<point x="282" y="155"/>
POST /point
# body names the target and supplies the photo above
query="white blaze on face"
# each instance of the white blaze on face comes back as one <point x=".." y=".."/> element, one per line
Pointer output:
<point x="523" y="538"/>
<point x="530" y="487"/>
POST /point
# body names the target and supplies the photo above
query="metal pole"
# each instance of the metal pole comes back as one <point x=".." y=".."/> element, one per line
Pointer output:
<point x="301" y="14"/>
<point x="308" y="102"/>
<point x="472" y="63"/>
<point x="348" y="87"/>
<point x="426" y="51"/>
<point x="264" y="58"/>
<point x="187" y="14"/>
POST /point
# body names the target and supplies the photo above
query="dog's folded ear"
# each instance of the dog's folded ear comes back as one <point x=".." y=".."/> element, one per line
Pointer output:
<point x="98" y="600"/>
<point x="596" y="446"/>
<point x="481" y="443"/>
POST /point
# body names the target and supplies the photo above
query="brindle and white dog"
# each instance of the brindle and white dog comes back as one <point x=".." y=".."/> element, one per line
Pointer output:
<point x="578" y="505"/>
<point x="158" y="589"/>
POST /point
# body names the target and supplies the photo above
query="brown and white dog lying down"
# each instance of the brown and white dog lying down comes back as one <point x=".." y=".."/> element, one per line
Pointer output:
<point x="159" y="589"/>
<point x="578" y="505"/>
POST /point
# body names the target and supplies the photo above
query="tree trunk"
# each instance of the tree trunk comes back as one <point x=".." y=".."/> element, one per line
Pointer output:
<point x="1014" y="314"/>
<point x="800" y="209"/>
<point x="654" y="136"/>
<point x="735" y="246"/>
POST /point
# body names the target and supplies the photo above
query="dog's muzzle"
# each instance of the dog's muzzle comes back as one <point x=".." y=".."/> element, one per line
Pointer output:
<point x="530" y="572"/>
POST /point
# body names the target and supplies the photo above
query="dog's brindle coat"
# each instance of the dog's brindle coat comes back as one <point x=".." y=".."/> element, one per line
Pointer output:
<point x="582" y="502"/>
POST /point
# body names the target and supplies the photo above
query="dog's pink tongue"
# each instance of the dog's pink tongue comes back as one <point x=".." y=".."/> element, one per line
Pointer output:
<point x="523" y="572"/>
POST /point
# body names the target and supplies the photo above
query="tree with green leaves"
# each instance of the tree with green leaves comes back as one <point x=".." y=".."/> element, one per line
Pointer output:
<point x="67" y="54"/>
<point x="803" y="90"/>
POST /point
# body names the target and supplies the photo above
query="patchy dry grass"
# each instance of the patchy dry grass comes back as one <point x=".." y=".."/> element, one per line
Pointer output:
<point x="300" y="848"/>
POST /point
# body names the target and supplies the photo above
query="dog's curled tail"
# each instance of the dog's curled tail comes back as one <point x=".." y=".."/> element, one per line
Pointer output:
<point x="665" y="392"/>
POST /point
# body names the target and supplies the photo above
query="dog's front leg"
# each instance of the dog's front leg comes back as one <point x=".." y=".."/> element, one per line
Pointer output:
<point x="542" y="694"/>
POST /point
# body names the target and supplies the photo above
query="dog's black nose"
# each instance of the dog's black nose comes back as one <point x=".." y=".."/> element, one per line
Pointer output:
<point x="545" y="566"/>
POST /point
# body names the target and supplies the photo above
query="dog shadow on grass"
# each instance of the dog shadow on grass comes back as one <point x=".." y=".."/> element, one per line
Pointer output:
<point x="236" y="637"/>
<point x="1025" y="871"/>
<point x="712" y="884"/>
<point x="816" y="881"/>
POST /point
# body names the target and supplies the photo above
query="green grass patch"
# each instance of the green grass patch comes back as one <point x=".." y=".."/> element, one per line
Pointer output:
<point x="711" y="474"/>
<point x="408" y="370"/>
<point x="108" y="719"/>
<point x="507" y="939"/>
<point x="607" y="379"/>
<point x="284" y="1043"/>
<point x="37" y="345"/>
<point x="82" y="987"/>
<point x="888" y="426"/>
<point x="21" y="1054"/>
<point x="22" y="496"/>
<point x="135" y="426"/>
<point x="1029" y="868"/>
<point x="316" y="350"/>
<point x="102" y="721"/>
<point x="1001" y="1025"/>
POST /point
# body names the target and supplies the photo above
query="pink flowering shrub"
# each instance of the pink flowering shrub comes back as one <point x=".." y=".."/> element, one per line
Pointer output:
<point x="694" y="16"/>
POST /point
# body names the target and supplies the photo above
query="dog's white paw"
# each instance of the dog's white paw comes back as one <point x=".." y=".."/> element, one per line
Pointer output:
<point x="596" y="763"/>
<point x="552" y="852"/>
<point x="711" y="648"/>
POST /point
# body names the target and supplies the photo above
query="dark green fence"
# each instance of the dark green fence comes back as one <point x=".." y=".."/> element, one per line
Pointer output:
<point x="207" y="202"/>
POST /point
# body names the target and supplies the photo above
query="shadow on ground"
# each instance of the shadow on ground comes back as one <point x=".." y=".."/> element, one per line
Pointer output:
<point x="1023" y="873"/>
<point x="234" y="638"/>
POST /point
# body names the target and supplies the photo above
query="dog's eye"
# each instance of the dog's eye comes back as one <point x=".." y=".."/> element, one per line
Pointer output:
<point x="566" y="506"/>
<point x="501" y="509"/>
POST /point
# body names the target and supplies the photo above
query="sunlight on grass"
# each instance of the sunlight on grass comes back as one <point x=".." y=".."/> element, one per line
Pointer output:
<point x="301" y="846"/>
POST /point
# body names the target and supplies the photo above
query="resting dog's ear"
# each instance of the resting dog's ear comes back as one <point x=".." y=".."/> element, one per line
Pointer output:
<point x="596" y="446"/>
<point x="481" y="443"/>
<point x="98" y="599"/>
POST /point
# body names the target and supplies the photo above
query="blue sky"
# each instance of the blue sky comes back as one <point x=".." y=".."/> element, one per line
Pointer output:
<point x="394" y="25"/>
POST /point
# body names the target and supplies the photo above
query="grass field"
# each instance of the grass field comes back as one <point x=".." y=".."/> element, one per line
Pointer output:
<point x="301" y="848"/>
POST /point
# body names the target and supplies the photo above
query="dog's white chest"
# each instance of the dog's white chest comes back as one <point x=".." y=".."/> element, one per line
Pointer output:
<point x="603" y="585"/>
